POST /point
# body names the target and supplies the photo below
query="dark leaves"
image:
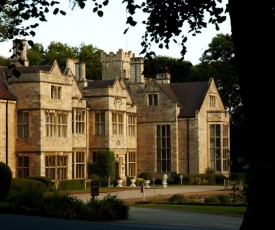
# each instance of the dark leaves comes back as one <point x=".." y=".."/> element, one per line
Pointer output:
<point x="56" y="10"/>
<point x="16" y="73"/>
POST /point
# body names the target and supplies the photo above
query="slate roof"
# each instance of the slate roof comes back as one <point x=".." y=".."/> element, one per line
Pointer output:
<point x="30" y="69"/>
<point x="5" y="94"/>
<point x="100" y="84"/>
<point x="189" y="96"/>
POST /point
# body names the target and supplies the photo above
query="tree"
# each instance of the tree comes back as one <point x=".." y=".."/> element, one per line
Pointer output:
<point x="91" y="56"/>
<point x="253" y="38"/>
<point x="4" y="61"/>
<point x="180" y="70"/>
<point x="36" y="54"/>
<point x="60" y="52"/>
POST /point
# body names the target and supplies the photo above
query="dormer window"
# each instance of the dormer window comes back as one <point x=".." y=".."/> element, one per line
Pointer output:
<point x="212" y="100"/>
<point x="152" y="99"/>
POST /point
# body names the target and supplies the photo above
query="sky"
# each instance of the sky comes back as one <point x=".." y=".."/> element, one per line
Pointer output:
<point x="107" y="33"/>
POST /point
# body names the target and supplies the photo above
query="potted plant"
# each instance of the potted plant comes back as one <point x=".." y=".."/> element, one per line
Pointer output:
<point x="147" y="178"/>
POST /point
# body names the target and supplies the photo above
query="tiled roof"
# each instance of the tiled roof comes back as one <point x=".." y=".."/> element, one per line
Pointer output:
<point x="30" y="69"/>
<point x="100" y="84"/>
<point x="4" y="92"/>
<point x="189" y="96"/>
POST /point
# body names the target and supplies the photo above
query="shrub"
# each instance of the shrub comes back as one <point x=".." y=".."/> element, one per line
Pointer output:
<point x="177" y="198"/>
<point x="212" y="200"/>
<point x="74" y="184"/>
<point x="109" y="207"/>
<point x="5" y="180"/>
<point x="224" y="199"/>
<point x="27" y="193"/>
<point x="64" y="206"/>
<point x="46" y="180"/>
<point x="210" y="177"/>
<point x="145" y="176"/>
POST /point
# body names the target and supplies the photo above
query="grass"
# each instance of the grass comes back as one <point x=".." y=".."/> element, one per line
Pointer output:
<point x="213" y="209"/>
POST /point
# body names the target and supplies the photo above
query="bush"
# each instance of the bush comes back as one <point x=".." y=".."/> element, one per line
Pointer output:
<point x="46" y="180"/>
<point x="64" y="206"/>
<point x="145" y="176"/>
<point x="224" y="199"/>
<point x="27" y="193"/>
<point x="109" y="207"/>
<point x="177" y="198"/>
<point x="74" y="184"/>
<point x="5" y="180"/>
<point x="212" y="200"/>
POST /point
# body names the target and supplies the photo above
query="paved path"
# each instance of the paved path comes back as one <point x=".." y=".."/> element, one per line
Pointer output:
<point x="154" y="191"/>
<point x="139" y="217"/>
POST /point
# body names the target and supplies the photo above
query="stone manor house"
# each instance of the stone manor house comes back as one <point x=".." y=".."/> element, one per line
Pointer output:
<point x="53" y="121"/>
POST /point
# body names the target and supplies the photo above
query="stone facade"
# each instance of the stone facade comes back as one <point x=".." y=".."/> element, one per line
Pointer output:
<point x="59" y="121"/>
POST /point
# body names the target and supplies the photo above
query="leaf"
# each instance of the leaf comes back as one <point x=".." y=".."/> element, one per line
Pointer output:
<point x="16" y="73"/>
<point x="100" y="13"/>
<point x="62" y="12"/>
<point x="31" y="43"/>
<point x="56" y="10"/>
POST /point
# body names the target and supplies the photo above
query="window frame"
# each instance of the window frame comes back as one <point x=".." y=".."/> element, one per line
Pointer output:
<point x="23" y="124"/>
<point x="24" y="168"/>
<point x="56" y="167"/>
<point x="152" y="99"/>
<point x="163" y="139"/>
<point x="100" y="123"/>
<point x="132" y="125"/>
<point x="56" y="92"/>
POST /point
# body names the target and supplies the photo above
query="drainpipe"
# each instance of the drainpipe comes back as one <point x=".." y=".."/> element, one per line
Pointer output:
<point x="188" y="147"/>
<point x="7" y="135"/>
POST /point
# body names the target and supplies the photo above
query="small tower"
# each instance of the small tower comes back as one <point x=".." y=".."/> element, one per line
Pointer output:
<point x="115" y="65"/>
<point x="137" y="68"/>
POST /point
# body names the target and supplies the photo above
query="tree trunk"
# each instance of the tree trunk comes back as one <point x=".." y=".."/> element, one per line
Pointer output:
<point x="253" y="38"/>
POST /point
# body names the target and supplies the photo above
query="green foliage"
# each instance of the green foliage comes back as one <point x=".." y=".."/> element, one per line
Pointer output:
<point x="29" y="198"/>
<point x="211" y="178"/>
<point x="224" y="199"/>
<point x="4" y="61"/>
<point x="109" y="207"/>
<point x="181" y="71"/>
<point x="104" y="167"/>
<point x="27" y="192"/>
<point x="91" y="56"/>
<point x="92" y="169"/>
<point x="145" y="175"/>
<point x="212" y="200"/>
<point x="177" y="198"/>
<point x="64" y="206"/>
<point x="60" y="52"/>
<point x="73" y="184"/>
<point x="46" y="180"/>
<point x="36" y="55"/>
<point x="5" y="180"/>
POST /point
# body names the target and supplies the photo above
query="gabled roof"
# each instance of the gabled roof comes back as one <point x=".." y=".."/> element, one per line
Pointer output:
<point x="4" y="92"/>
<point x="189" y="96"/>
